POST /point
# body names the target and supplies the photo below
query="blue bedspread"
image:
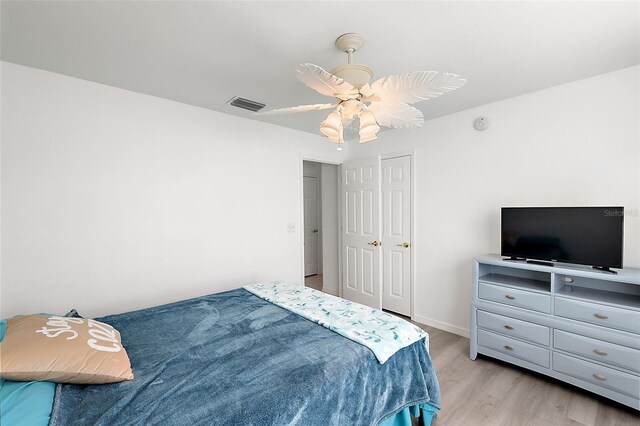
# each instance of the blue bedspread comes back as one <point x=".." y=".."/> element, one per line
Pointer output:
<point x="234" y="359"/>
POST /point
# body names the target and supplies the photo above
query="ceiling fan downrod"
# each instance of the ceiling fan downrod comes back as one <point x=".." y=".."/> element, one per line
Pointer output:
<point x="356" y="74"/>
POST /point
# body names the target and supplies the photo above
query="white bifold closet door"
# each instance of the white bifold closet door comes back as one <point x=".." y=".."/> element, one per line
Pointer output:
<point x="361" y="252"/>
<point x="376" y="222"/>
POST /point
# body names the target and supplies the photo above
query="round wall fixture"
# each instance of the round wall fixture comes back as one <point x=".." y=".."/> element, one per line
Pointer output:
<point x="481" y="123"/>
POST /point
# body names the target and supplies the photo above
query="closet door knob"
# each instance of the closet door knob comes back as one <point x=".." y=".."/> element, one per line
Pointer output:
<point x="601" y="316"/>
<point x="510" y="297"/>
<point x="509" y="348"/>
<point x="600" y="352"/>
<point x="508" y="327"/>
<point x="599" y="377"/>
<point x="405" y="245"/>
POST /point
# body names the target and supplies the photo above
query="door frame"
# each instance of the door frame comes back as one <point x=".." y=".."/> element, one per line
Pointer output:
<point x="319" y="224"/>
<point x="411" y="153"/>
<point x="318" y="159"/>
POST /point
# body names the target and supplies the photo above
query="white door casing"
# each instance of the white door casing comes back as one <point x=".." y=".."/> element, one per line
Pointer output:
<point x="396" y="234"/>
<point x="311" y="225"/>
<point x="361" y="256"/>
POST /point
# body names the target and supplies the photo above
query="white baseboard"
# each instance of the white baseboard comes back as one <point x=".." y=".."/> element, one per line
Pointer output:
<point x="441" y="325"/>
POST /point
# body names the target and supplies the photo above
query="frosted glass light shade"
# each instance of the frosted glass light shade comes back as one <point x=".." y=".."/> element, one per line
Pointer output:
<point x="368" y="138"/>
<point x="332" y="128"/>
<point x="349" y="110"/>
<point x="368" y="127"/>
<point x="351" y="107"/>
<point x="339" y="140"/>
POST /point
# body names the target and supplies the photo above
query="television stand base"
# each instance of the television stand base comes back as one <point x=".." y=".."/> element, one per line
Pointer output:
<point x="539" y="262"/>
<point x="604" y="269"/>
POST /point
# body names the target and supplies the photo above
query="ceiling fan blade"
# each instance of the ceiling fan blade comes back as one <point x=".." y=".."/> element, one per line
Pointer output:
<point x="415" y="87"/>
<point x="323" y="82"/>
<point x="366" y="90"/>
<point x="401" y="116"/>
<point x="301" y="108"/>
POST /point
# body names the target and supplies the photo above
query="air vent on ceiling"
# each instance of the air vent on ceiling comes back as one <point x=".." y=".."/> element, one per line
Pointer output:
<point x="246" y="104"/>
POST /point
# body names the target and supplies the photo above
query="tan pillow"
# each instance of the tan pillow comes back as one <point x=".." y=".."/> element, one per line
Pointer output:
<point x="61" y="349"/>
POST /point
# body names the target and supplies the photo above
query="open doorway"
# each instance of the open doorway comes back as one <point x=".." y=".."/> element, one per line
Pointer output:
<point x="320" y="226"/>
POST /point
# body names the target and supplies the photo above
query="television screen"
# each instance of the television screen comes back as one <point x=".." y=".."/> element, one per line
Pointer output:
<point x="583" y="235"/>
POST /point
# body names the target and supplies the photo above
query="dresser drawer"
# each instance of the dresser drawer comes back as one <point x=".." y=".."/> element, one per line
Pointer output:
<point x="593" y="373"/>
<point x="514" y="297"/>
<point x="513" y="347"/>
<point x="512" y="327"/>
<point x="602" y="351"/>
<point x="606" y="316"/>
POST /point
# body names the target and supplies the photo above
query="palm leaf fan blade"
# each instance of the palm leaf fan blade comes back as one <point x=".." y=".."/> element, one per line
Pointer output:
<point x="301" y="108"/>
<point x="415" y="87"/>
<point x="401" y="116"/>
<point x="323" y="82"/>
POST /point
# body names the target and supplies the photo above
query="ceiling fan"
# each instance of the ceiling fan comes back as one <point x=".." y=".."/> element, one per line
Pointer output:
<point x="385" y="102"/>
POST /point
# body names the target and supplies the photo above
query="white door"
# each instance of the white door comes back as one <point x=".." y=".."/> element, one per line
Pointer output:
<point x="361" y="266"/>
<point x="310" y="191"/>
<point x="396" y="233"/>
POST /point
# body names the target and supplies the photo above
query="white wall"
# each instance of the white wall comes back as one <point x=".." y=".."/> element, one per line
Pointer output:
<point x="572" y="145"/>
<point x="330" y="228"/>
<point x="113" y="200"/>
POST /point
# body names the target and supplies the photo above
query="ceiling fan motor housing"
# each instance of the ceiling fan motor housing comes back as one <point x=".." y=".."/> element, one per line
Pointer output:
<point x="356" y="74"/>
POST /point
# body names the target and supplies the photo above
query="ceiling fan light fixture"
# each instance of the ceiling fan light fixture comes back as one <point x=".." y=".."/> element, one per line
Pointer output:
<point x="338" y="139"/>
<point x="351" y="107"/>
<point x="369" y="128"/>
<point x="332" y="128"/>
<point x="347" y="120"/>
<point x="384" y="102"/>
<point x="369" y="138"/>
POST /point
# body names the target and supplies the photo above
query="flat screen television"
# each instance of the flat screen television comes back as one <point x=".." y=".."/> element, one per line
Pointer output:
<point x="583" y="235"/>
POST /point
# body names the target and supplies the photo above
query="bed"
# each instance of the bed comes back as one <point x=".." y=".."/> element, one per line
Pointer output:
<point x="235" y="358"/>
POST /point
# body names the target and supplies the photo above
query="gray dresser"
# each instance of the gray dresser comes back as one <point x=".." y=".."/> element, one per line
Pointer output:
<point x="569" y="322"/>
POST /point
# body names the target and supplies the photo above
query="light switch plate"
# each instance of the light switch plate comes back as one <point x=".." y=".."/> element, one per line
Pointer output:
<point x="291" y="227"/>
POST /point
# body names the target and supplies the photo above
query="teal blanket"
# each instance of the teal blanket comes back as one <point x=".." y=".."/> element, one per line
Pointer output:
<point x="233" y="358"/>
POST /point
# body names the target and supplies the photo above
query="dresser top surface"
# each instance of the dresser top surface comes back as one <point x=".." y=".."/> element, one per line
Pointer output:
<point x="626" y="275"/>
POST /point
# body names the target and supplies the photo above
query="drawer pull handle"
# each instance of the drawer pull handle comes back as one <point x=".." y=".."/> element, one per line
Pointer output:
<point x="601" y="316"/>
<point x="508" y="327"/>
<point x="600" y="352"/>
<point x="599" y="377"/>
<point x="510" y="297"/>
<point x="509" y="348"/>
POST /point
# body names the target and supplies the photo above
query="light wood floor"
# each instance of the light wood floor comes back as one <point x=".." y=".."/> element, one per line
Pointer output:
<point x="314" y="281"/>
<point x="490" y="392"/>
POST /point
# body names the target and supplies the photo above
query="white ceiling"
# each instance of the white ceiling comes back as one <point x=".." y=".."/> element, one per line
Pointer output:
<point x="204" y="53"/>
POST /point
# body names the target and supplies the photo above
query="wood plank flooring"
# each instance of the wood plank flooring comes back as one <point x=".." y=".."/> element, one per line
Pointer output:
<point x="490" y="392"/>
<point x="314" y="281"/>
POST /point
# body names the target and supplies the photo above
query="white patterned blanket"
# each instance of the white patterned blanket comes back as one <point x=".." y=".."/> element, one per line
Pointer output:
<point x="383" y="333"/>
